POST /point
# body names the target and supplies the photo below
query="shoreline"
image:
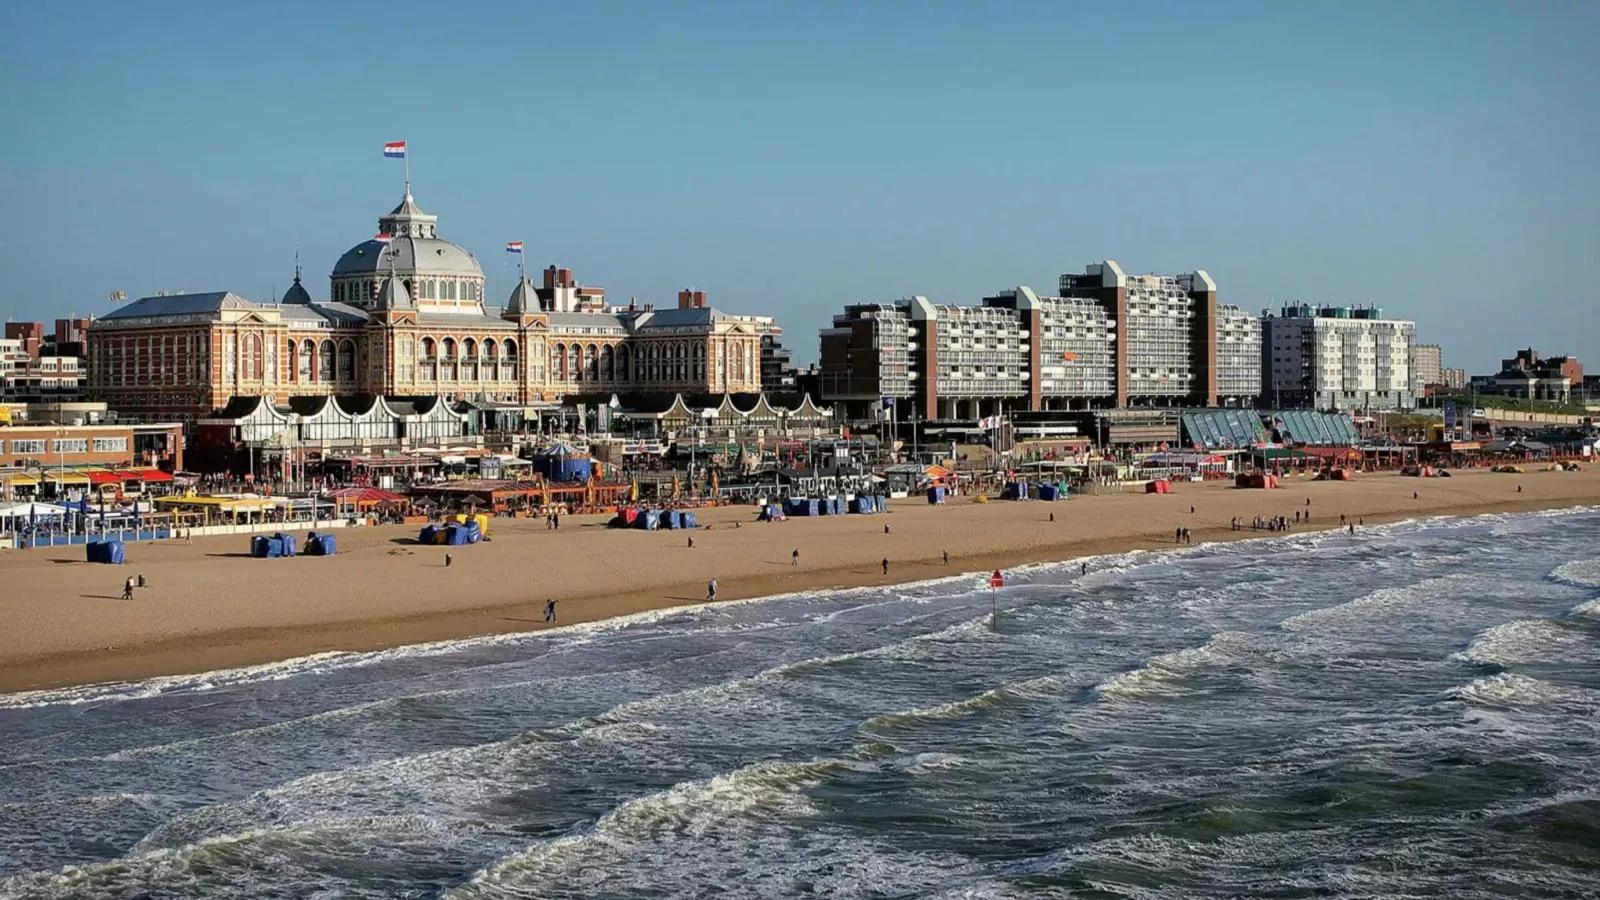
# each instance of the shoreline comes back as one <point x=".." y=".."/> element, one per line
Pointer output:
<point x="211" y="644"/>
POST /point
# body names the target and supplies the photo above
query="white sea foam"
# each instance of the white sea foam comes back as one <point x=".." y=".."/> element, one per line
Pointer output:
<point x="1162" y="674"/>
<point x="764" y="790"/>
<point x="1579" y="572"/>
<point x="1511" y="690"/>
<point x="1382" y="602"/>
<point x="1588" y="610"/>
<point x="1528" y="641"/>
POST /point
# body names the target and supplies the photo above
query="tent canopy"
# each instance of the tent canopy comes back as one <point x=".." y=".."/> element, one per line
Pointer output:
<point x="21" y="510"/>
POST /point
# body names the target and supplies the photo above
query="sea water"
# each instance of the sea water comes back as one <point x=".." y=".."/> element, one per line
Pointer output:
<point x="1412" y="711"/>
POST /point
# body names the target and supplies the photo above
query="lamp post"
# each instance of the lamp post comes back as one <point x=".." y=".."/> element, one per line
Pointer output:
<point x="61" y="456"/>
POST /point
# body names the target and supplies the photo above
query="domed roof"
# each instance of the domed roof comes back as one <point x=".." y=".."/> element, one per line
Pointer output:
<point x="422" y="256"/>
<point x="393" y="295"/>
<point x="297" y="292"/>
<point x="414" y="248"/>
<point x="524" y="299"/>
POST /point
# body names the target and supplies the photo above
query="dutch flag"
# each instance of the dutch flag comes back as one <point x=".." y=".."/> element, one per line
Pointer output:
<point x="381" y="237"/>
<point x="395" y="149"/>
<point x="513" y="246"/>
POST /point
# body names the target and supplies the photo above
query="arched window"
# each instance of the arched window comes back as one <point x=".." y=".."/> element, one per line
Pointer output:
<point x="608" y="364"/>
<point x="294" y="360"/>
<point x="449" y="355"/>
<point x="430" y="350"/>
<point x="699" y="371"/>
<point x="325" y="361"/>
<point x="575" y="362"/>
<point x="469" y="351"/>
<point x="591" y="363"/>
<point x="622" y="362"/>
<point x="251" y="367"/>
<point x="558" y="361"/>
<point x="346" y="368"/>
<point x="508" y="356"/>
<point x="749" y="361"/>
<point x="308" y="356"/>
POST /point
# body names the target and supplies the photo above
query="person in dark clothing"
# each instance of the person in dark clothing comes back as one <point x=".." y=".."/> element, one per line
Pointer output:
<point x="711" y="590"/>
<point x="447" y="560"/>
<point x="794" y="558"/>
<point x="127" y="589"/>
<point x="550" y="610"/>
<point x="1083" y="569"/>
<point x="947" y="557"/>
<point x="886" y="565"/>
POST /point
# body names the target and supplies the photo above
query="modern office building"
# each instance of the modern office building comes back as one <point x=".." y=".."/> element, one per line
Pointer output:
<point x="1109" y="340"/>
<point x="1338" y="358"/>
<point x="1427" y="364"/>
<point x="408" y="319"/>
<point x="1455" y="379"/>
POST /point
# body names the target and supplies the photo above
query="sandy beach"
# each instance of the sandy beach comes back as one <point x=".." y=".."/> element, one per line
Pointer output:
<point x="210" y="606"/>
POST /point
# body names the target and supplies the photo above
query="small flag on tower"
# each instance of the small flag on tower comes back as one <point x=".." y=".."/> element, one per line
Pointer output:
<point x="381" y="237"/>
<point x="513" y="246"/>
<point x="395" y="149"/>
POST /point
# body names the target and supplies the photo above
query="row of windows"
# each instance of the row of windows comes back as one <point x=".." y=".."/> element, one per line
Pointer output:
<point x="22" y="446"/>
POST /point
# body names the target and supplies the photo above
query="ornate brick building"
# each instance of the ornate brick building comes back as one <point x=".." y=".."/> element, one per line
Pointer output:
<point x="408" y="318"/>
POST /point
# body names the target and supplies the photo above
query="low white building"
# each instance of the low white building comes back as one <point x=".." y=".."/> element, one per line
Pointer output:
<point x="1338" y="358"/>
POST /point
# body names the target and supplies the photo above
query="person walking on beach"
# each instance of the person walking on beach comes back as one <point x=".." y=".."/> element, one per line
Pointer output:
<point x="550" y="610"/>
<point x="448" y="560"/>
<point x="1191" y="509"/>
<point x="1083" y="569"/>
<point x="1177" y="535"/>
<point x="947" y="557"/>
<point x="886" y="528"/>
<point x="127" y="588"/>
<point x="1352" y="528"/>
<point x="794" y="558"/>
<point x="886" y="565"/>
<point x="1052" y="517"/>
<point x="711" y="591"/>
<point x="691" y="542"/>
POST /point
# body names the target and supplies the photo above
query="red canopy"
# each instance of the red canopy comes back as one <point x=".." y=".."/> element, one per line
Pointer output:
<point x="148" y="474"/>
<point x="104" y="478"/>
<point x="364" y="495"/>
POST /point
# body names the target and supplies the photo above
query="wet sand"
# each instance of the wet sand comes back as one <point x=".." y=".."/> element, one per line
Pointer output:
<point x="210" y="606"/>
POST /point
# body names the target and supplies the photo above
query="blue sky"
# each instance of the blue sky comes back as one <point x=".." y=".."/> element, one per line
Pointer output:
<point x="791" y="158"/>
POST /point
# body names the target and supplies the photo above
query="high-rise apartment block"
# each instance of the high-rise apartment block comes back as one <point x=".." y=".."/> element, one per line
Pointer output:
<point x="1339" y="357"/>
<point x="1109" y="339"/>
<point x="1427" y="365"/>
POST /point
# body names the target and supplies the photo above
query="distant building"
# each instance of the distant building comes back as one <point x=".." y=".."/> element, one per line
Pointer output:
<point x="33" y="445"/>
<point x="1109" y="340"/>
<point x="1427" y="365"/>
<point x="1455" y="379"/>
<point x="777" y="363"/>
<point x="408" y="318"/>
<point x="1338" y="358"/>
<point x="38" y="375"/>
<point x="1529" y="376"/>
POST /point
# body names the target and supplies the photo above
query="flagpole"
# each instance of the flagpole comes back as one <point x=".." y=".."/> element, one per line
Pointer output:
<point x="407" y="157"/>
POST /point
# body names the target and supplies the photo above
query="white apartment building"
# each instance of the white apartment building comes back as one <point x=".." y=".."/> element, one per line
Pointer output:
<point x="1338" y="358"/>
<point x="979" y="351"/>
<point x="1238" y="357"/>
